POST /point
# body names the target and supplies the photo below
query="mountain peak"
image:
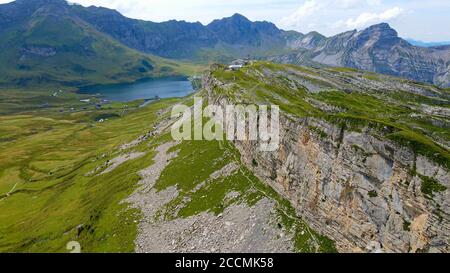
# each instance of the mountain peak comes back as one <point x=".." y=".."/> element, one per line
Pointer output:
<point x="382" y="31"/>
<point x="235" y="18"/>
<point x="315" y="34"/>
<point x="239" y="16"/>
<point x="239" y="29"/>
<point x="15" y="12"/>
<point x="382" y="28"/>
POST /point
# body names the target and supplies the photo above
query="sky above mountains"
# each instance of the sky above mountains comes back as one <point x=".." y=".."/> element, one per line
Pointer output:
<point x="417" y="19"/>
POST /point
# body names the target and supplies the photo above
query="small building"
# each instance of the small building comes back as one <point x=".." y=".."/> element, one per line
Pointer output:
<point x="235" y="67"/>
<point x="238" y="64"/>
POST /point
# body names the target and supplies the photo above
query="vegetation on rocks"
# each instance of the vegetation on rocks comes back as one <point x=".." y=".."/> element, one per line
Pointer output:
<point x="53" y="189"/>
<point x="394" y="114"/>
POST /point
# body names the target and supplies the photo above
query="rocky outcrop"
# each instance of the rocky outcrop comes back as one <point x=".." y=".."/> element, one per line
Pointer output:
<point x="366" y="193"/>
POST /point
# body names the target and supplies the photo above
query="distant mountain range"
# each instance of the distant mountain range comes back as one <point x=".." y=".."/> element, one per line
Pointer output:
<point x="427" y="44"/>
<point x="377" y="49"/>
<point x="42" y="39"/>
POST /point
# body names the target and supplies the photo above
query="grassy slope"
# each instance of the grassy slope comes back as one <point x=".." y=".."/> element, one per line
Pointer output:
<point x="81" y="56"/>
<point x="197" y="160"/>
<point x="390" y="114"/>
<point x="48" y="199"/>
<point x="48" y="195"/>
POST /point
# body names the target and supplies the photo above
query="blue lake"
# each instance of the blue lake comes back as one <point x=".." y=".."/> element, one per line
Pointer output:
<point x="145" y="89"/>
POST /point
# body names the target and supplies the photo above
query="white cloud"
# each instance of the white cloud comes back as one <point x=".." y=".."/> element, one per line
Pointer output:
<point x="308" y="8"/>
<point x="302" y="13"/>
<point x="367" y="18"/>
<point x="319" y="12"/>
<point x="353" y="4"/>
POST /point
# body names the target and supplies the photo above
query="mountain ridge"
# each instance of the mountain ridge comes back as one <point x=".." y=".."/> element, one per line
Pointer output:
<point x="43" y="43"/>
<point x="377" y="48"/>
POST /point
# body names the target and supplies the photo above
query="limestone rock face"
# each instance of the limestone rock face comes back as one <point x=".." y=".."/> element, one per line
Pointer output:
<point x="353" y="187"/>
<point x="356" y="195"/>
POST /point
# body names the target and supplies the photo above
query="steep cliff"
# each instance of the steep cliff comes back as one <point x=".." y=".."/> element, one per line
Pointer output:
<point x="346" y="174"/>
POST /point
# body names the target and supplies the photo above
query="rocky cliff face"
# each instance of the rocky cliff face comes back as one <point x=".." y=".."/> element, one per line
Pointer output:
<point x="180" y="39"/>
<point x="365" y="192"/>
<point x="168" y="39"/>
<point x="237" y="29"/>
<point x="357" y="189"/>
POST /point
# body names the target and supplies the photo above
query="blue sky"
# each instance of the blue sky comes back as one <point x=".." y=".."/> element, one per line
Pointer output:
<point x="426" y="20"/>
